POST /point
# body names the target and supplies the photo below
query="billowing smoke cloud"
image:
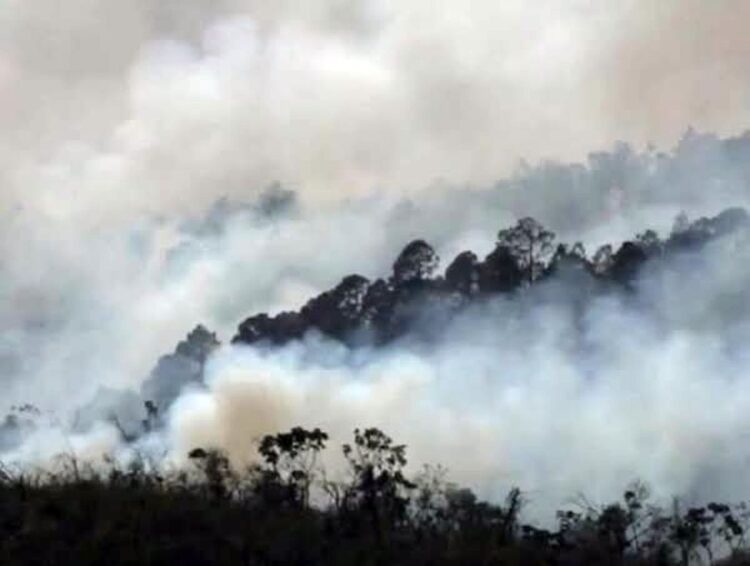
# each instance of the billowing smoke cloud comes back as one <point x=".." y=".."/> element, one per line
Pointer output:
<point x="123" y="123"/>
<point x="552" y="390"/>
<point x="187" y="98"/>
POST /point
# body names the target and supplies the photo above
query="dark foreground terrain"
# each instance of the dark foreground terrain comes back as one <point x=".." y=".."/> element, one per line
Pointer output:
<point x="286" y="510"/>
<point x="283" y="510"/>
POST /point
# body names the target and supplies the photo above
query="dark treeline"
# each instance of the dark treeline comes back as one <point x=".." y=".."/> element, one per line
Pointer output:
<point x="358" y="310"/>
<point x="414" y="301"/>
<point x="286" y="510"/>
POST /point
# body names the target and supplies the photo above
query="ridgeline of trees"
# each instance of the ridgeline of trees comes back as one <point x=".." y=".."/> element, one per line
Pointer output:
<point x="359" y="310"/>
<point x="286" y="510"/>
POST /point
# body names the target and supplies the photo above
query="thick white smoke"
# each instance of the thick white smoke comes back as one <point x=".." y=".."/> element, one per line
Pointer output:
<point x="390" y="121"/>
<point x="549" y="391"/>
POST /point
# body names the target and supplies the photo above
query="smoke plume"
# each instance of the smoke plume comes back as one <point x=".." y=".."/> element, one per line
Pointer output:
<point x="168" y="163"/>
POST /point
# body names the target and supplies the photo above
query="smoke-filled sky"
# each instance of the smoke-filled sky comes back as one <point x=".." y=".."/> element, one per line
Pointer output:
<point x="123" y="123"/>
<point x="146" y="105"/>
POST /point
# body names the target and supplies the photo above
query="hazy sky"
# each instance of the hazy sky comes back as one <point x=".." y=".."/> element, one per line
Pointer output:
<point x="120" y="119"/>
<point x="157" y="105"/>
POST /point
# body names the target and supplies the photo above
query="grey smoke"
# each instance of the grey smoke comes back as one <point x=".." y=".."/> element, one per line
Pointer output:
<point x="388" y="122"/>
<point x="550" y="390"/>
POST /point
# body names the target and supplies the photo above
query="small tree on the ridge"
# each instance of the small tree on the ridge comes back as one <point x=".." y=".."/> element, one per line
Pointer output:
<point x="530" y="243"/>
<point x="416" y="262"/>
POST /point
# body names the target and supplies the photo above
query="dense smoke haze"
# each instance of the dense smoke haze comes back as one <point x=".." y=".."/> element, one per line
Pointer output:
<point x="164" y="164"/>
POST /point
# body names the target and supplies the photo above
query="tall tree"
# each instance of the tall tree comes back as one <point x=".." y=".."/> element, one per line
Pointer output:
<point x="462" y="274"/>
<point x="416" y="262"/>
<point x="530" y="243"/>
<point x="499" y="272"/>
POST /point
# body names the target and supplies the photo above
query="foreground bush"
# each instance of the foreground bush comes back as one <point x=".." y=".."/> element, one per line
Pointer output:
<point x="284" y="511"/>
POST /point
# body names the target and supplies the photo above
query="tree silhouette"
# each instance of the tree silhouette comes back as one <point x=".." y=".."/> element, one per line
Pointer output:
<point x="338" y="311"/>
<point x="601" y="262"/>
<point x="530" y="243"/>
<point x="380" y="486"/>
<point x="222" y="515"/>
<point x="650" y="242"/>
<point x="569" y="258"/>
<point x="291" y="458"/>
<point x="413" y="299"/>
<point x="416" y="262"/>
<point x="499" y="272"/>
<point x="174" y="371"/>
<point x="462" y="274"/>
<point x="626" y="262"/>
